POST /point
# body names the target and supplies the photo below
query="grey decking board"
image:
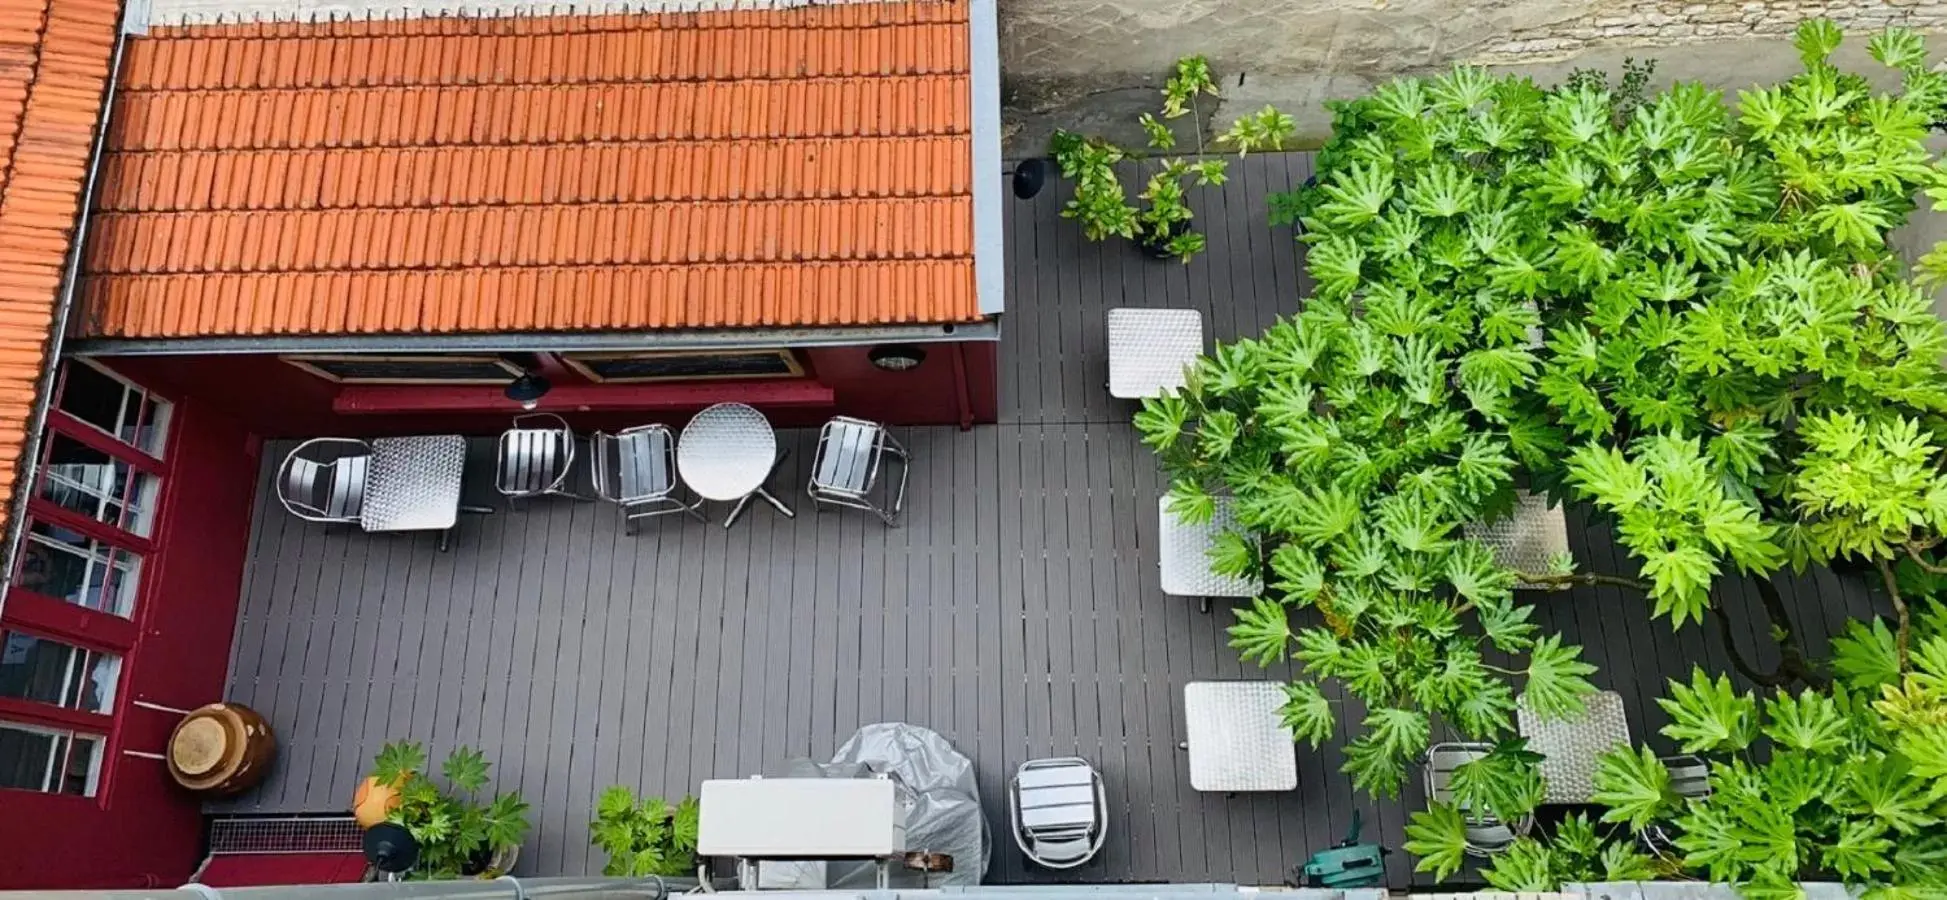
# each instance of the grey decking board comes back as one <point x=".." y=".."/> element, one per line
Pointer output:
<point x="1017" y="609"/>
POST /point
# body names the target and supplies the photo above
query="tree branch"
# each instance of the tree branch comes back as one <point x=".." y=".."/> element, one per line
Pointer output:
<point x="1738" y="662"/>
<point x="1793" y="667"/>
<point x="1574" y="578"/>
<point x="1913" y="553"/>
<point x="1899" y="607"/>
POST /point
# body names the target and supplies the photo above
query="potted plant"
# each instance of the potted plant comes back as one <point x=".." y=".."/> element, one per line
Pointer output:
<point x="458" y="835"/>
<point x="1162" y="226"/>
<point x="647" y="837"/>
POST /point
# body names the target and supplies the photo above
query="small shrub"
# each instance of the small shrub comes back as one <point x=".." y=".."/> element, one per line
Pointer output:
<point x="647" y="837"/>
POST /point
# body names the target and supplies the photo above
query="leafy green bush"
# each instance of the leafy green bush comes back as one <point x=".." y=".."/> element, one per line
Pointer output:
<point x="457" y="835"/>
<point x="647" y="837"/>
<point x="1100" y="203"/>
<point x="1686" y="318"/>
<point x="1847" y="784"/>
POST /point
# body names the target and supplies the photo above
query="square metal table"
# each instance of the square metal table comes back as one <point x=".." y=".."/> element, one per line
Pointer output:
<point x="413" y="484"/>
<point x="1572" y="748"/>
<point x="1150" y="348"/>
<point x="1235" y="738"/>
<point x="1184" y="556"/>
<point x="1531" y="535"/>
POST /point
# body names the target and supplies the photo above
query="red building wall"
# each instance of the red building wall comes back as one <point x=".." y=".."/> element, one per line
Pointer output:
<point x="140" y="830"/>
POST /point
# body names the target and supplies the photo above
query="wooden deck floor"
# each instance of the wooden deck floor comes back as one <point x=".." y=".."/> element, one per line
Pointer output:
<point x="1017" y="610"/>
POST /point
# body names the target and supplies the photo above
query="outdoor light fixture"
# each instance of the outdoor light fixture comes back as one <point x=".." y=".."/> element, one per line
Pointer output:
<point x="528" y="390"/>
<point x="530" y="387"/>
<point x="1029" y="176"/>
<point x="897" y="357"/>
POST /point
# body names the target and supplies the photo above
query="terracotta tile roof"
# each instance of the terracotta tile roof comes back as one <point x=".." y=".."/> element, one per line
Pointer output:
<point x="779" y="167"/>
<point x="54" y="62"/>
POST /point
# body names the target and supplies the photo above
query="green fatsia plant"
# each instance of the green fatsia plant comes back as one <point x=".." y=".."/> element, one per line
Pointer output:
<point x="1843" y="784"/>
<point x="1686" y="318"/>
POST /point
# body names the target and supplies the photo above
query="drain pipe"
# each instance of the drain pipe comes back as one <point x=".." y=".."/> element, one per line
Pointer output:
<point x="134" y="21"/>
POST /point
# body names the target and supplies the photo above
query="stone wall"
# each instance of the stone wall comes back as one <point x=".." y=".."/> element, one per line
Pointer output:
<point x="1094" y="65"/>
<point x="1667" y="23"/>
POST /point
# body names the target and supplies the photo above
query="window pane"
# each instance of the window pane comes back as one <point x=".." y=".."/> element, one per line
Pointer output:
<point x="93" y="396"/>
<point x="26" y="756"/>
<point x="48" y="671"/>
<point x="123" y="410"/>
<point x="151" y="426"/>
<point x="96" y="485"/>
<point x="84" y="766"/>
<point x="38" y="759"/>
<point x="61" y="563"/>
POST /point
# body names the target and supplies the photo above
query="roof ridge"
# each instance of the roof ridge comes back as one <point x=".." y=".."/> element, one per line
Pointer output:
<point x="104" y="215"/>
<point x="173" y="13"/>
<point x="556" y="83"/>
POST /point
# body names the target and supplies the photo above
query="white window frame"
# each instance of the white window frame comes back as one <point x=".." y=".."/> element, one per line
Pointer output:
<point x="54" y="771"/>
<point x="133" y="395"/>
<point x="106" y="555"/>
<point x="85" y="662"/>
<point x="138" y="508"/>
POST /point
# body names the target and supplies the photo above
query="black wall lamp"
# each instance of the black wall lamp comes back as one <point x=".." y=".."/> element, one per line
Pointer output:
<point x="528" y="389"/>
<point x="1029" y="177"/>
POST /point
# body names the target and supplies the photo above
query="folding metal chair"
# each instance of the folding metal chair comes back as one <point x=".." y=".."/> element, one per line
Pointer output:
<point x="852" y="454"/>
<point x="323" y="479"/>
<point x="1059" y="811"/>
<point x="635" y="469"/>
<point x="537" y="458"/>
<point x="1689" y="779"/>
<point x="1486" y="834"/>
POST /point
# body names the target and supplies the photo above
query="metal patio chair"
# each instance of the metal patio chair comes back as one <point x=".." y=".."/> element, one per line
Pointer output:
<point x="1486" y="834"/>
<point x="1058" y="811"/>
<point x="852" y="455"/>
<point x="635" y="469"/>
<point x="537" y="458"/>
<point x="1689" y="779"/>
<point x="323" y="479"/>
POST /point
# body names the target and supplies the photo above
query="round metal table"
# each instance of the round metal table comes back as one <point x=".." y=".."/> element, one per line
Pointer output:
<point x="726" y="453"/>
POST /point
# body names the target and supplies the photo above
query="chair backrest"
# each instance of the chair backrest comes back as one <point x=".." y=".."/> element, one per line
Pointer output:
<point x="1689" y="775"/>
<point x="1441" y="761"/>
<point x="1057" y="798"/>
<point x="636" y="465"/>
<point x="848" y="455"/>
<point x="535" y="455"/>
<point x="323" y="479"/>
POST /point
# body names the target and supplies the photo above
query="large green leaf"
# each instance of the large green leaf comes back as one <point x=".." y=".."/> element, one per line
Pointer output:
<point x="1556" y="684"/>
<point x="1437" y="838"/>
<point x="1635" y="786"/>
<point x="1306" y="713"/>
<point x="1707" y="715"/>
<point x="1810" y="722"/>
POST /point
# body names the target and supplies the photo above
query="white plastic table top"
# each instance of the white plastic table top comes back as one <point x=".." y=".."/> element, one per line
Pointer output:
<point x="413" y="483"/>
<point x="726" y="452"/>
<point x="1237" y="742"/>
<point x="1184" y="555"/>
<point x="1572" y="748"/>
<point x="1150" y="348"/>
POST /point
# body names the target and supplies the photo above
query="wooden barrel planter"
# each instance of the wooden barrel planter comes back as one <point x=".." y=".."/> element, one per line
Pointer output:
<point x="221" y="749"/>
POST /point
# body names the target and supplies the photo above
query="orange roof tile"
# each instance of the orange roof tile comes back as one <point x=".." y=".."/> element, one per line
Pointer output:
<point x="779" y="167"/>
<point x="54" y="60"/>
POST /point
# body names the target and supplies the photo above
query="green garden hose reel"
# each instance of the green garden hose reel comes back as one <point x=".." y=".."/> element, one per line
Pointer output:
<point x="1349" y="864"/>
